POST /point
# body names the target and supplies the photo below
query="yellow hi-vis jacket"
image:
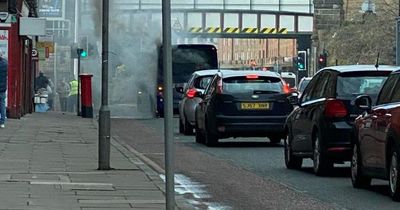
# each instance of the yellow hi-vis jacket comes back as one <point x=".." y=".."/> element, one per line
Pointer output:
<point x="74" y="88"/>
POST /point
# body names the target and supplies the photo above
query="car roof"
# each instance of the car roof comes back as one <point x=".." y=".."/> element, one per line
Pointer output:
<point x="352" y="68"/>
<point x="288" y="74"/>
<point x="233" y="73"/>
<point x="209" y="72"/>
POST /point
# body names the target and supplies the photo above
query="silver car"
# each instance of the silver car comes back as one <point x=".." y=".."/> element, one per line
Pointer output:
<point x="187" y="106"/>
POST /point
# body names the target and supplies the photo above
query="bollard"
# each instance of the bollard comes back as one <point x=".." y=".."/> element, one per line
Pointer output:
<point x="86" y="95"/>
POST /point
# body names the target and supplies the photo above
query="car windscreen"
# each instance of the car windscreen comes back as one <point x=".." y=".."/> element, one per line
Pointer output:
<point x="303" y="85"/>
<point x="350" y="85"/>
<point x="202" y="82"/>
<point x="290" y="81"/>
<point x="243" y="84"/>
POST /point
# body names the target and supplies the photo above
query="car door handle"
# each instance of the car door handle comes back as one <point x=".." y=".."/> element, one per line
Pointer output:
<point x="374" y="117"/>
<point x="388" y="115"/>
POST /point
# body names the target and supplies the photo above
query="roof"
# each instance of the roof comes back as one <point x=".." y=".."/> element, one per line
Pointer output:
<point x="351" y="68"/>
<point x="234" y="73"/>
<point x="209" y="72"/>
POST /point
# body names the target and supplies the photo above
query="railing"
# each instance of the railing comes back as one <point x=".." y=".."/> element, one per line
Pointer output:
<point x="304" y="6"/>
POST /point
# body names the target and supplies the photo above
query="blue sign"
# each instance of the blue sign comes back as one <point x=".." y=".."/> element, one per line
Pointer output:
<point x="51" y="8"/>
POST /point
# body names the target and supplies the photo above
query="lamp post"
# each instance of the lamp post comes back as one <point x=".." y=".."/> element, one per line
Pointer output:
<point x="104" y="113"/>
<point x="168" y="117"/>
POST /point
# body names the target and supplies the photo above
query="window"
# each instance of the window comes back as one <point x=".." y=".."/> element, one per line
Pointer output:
<point x="307" y="92"/>
<point x="245" y="85"/>
<point x="352" y="84"/>
<point x="202" y="82"/>
<point x="396" y="92"/>
<point x="386" y="92"/>
<point x="210" y="88"/>
<point x="318" y="91"/>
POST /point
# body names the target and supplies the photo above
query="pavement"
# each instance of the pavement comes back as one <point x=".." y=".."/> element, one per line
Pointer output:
<point x="49" y="161"/>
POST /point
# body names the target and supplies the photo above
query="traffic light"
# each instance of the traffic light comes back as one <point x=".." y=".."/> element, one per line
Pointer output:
<point x="322" y="60"/>
<point x="84" y="45"/>
<point x="82" y="53"/>
<point x="301" y="60"/>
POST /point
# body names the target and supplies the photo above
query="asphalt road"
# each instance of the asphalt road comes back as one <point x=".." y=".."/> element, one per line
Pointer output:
<point x="249" y="173"/>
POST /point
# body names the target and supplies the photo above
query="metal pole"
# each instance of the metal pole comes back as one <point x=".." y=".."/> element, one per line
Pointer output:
<point x="104" y="121"/>
<point x="168" y="128"/>
<point x="76" y="35"/>
<point x="79" y="86"/>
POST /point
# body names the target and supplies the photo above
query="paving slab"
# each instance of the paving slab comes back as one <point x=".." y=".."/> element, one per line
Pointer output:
<point x="49" y="161"/>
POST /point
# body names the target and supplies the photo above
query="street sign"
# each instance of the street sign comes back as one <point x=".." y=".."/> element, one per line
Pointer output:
<point x="34" y="52"/>
<point x="177" y="25"/>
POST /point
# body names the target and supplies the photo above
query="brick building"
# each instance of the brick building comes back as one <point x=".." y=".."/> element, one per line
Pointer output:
<point x="237" y="53"/>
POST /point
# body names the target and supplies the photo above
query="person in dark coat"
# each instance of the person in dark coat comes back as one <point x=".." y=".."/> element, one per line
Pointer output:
<point x="41" y="82"/>
<point x="3" y="89"/>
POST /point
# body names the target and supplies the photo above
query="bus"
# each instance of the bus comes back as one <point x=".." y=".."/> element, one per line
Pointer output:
<point x="186" y="59"/>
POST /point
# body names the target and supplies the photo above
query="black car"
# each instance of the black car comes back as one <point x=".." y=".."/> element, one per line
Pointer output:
<point x="243" y="104"/>
<point x="320" y="127"/>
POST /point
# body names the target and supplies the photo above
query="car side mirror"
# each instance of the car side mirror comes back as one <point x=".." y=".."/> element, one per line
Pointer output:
<point x="199" y="94"/>
<point x="294" y="98"/>
<point x="179" y="89"/>
<point x="364" y="103"/>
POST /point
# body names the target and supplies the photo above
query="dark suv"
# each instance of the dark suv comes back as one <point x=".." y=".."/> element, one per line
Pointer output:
<point x="376" y="145"/>
<point x="243" y="104"/>
<point x="320" y="128"/>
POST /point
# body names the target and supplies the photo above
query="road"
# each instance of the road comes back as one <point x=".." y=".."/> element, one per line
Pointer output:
<point x="249" y="173"/>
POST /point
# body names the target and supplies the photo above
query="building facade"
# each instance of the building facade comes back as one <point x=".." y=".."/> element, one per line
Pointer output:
<point x="18" y="50"/>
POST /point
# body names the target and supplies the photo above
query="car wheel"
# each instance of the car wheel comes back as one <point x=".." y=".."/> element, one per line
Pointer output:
<point x="187" y="127"/>
<point x="181" y="126"/>
<point x="291" y="161"/>
<point x="199" y="135"/>
<point x="357" y="178"/>
<point x="394" y="180"/>
<point x="320" y="163"/>
<point x="210" y="138"/>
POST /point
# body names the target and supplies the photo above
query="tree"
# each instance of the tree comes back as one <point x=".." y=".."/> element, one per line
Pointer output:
<point x="360" y="41"/>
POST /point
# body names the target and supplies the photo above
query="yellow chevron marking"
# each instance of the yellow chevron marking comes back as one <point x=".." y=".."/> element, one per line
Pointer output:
<point x="195" y="30"/>
<point x="283" y="31"/>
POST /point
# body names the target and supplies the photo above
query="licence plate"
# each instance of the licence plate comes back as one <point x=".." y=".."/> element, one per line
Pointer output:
<point x="255" y="106"/>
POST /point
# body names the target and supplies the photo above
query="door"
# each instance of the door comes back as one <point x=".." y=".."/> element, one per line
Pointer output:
<point x="372" y="142"/>
<point x="311" y="102"/>
<point x="202" y="109"/>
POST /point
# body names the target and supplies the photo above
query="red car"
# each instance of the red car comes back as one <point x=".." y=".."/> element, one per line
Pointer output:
<point x="376" y="143"/>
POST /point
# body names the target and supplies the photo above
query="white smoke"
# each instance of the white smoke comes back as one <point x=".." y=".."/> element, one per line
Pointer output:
<point x="134" y="38"/>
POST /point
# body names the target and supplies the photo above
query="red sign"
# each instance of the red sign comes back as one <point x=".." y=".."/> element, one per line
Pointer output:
<point x="47" y="52"/>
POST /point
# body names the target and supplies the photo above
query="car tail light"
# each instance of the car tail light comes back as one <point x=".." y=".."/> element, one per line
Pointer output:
<point x="220" y="88"/>
<point x="252" y="76"/>
<point x="191" y="93"/>
<point x="160" y="88"/>
<point x="335" y="108"/>
<point x="286" y="88"/>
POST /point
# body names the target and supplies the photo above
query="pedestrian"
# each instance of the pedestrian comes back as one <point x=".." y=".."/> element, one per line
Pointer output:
<point x="73" y="94"/>
<point x="50" y="94"/>
<point x="63" y="90"/>
<point x="3" y="89"/>
<point x="41" y="82"/>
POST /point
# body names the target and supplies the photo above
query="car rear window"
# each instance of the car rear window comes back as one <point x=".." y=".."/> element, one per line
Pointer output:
<point x="354" y="84"/>
<point x="202" y="82"/>
<point x="291" y="81"/>
<point x="249" y="85"/>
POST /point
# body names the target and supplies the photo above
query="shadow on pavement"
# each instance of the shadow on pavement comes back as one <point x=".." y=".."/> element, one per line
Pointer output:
<point x="337" y="172"/>
<point x="247" y="144"/>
